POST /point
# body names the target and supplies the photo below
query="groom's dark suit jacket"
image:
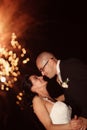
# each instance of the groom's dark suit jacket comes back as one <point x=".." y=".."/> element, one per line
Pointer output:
<point x="76" y="93"/>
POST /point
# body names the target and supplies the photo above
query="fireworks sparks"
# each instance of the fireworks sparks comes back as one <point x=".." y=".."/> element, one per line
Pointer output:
<point x="12" y="19"/>
<point x="9" y="63"/>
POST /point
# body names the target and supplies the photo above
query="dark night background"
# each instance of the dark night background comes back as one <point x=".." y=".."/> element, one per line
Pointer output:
<point x="59" y="27"/>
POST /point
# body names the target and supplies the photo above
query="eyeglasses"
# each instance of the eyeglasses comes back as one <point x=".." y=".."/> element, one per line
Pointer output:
<point x="42" y="69"/>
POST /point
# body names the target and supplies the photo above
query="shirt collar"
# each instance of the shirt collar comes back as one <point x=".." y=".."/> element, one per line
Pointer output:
<point x="58" y="67"/>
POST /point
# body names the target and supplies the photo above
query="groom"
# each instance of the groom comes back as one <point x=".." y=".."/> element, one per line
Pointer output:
<point x="71" y="74"/>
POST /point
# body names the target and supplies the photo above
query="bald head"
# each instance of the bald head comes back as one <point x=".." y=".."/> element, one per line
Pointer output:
<point x="43" y="58"/>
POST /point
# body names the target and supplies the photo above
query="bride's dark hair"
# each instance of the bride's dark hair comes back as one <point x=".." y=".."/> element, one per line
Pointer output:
<point x="26" y="89"/>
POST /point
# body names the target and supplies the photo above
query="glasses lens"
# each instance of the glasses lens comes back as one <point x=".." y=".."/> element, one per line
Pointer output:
<point x="42" y="69"/>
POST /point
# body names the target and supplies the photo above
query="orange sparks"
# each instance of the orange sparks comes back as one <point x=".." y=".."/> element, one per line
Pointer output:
<point x="9" y="62"/>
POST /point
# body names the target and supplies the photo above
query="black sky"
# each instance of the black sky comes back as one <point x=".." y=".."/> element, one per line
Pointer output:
<point x="61" y="26"/>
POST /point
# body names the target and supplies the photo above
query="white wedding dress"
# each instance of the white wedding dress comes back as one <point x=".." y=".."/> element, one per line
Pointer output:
<point x="60" y="113"/>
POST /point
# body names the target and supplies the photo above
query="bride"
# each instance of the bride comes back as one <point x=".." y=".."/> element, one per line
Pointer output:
<point x="54" y="115"/>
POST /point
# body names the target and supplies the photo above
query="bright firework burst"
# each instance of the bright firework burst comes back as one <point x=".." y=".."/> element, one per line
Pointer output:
<point x="9" y="63"/>
<point x="13" y="18"/>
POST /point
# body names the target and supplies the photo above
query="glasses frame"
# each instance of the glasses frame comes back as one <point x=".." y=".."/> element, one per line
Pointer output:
<point x="42" y="69"/>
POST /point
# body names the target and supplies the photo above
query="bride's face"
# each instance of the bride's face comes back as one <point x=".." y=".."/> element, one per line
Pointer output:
<point x="38" y="82"/>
